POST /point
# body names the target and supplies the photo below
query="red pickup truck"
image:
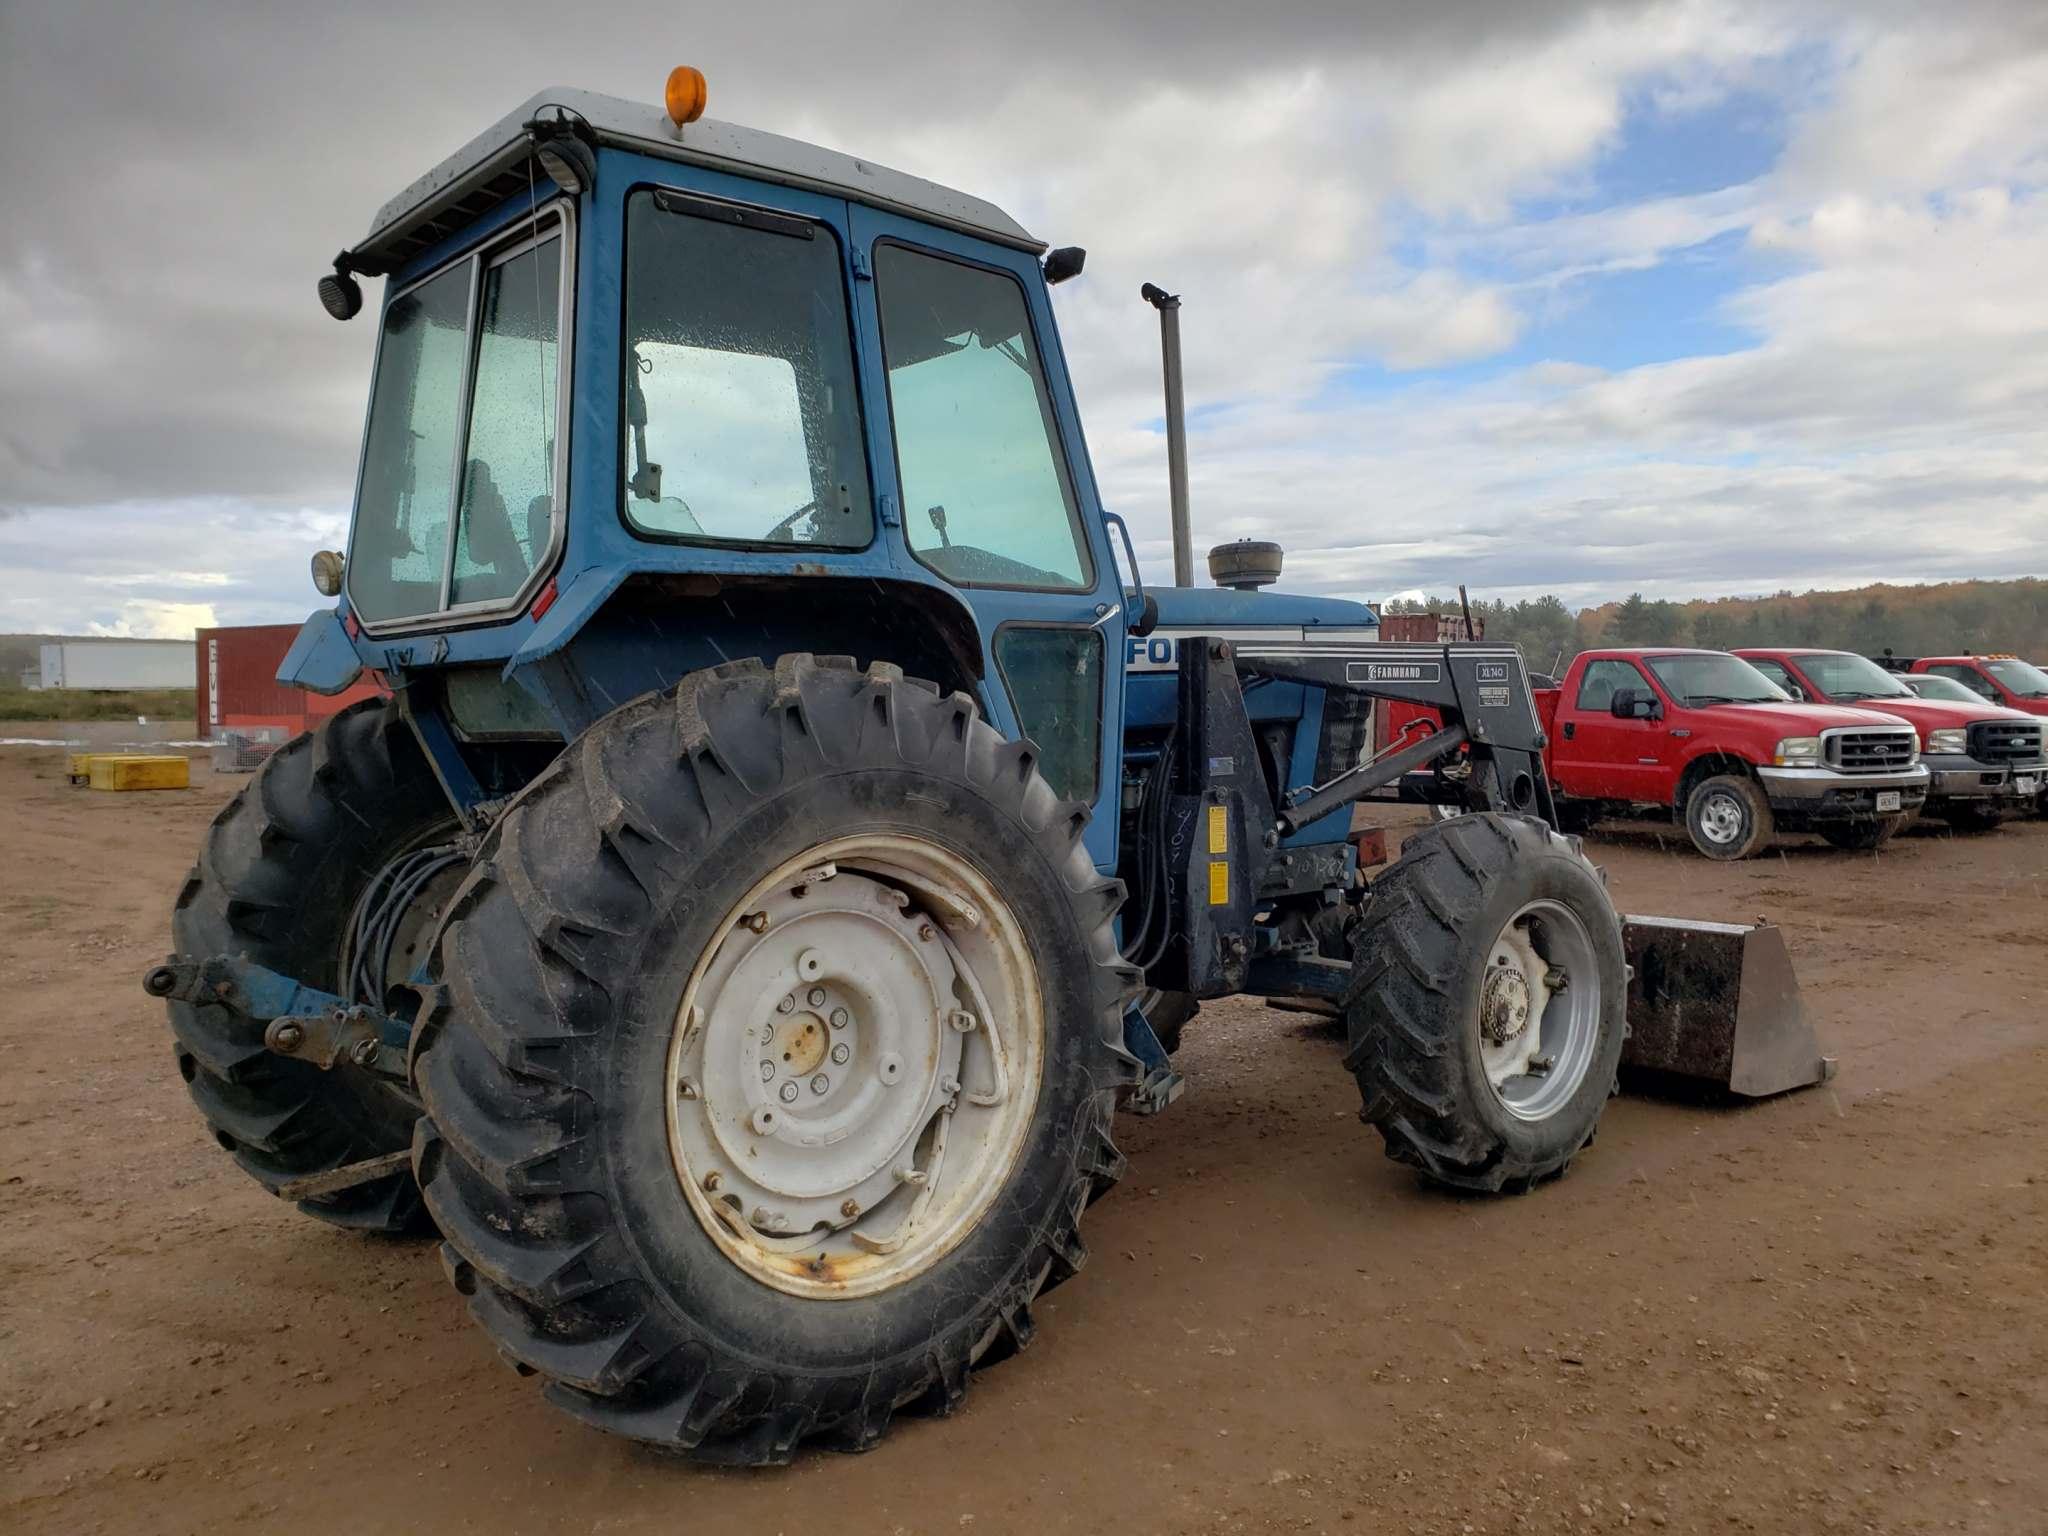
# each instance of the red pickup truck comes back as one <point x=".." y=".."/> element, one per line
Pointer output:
<point x="1984" y="761"/>
<point x="1726" y="750"/>
<point x="2002" y="679"/>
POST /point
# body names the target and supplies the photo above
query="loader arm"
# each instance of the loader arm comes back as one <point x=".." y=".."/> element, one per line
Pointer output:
<point x="1714" y="1003"/>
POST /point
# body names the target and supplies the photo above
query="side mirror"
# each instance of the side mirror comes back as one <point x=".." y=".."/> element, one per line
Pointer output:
<point x="1796" y="691"/>
<point x="1063" y="262"/>
<point x="1145" y="619"/>
<point x="1634" y="704"/>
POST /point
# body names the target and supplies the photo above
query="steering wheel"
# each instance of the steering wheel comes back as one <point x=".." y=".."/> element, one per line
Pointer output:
<point x="784" y="532"/>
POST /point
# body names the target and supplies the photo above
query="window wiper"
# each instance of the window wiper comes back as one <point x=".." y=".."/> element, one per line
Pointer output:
<point x="1710" y="698"/>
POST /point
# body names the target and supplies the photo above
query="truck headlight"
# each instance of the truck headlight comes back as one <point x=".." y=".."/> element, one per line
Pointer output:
<point x="1956" y="739"/>
<point x="1797" y="752"/>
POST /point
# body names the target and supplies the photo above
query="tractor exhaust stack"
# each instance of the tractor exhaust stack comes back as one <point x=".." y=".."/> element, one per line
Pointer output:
<point x="1168" y="305"/>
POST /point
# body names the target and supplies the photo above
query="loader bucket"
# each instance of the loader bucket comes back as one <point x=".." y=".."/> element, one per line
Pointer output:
<point x="1717" y="1004"/>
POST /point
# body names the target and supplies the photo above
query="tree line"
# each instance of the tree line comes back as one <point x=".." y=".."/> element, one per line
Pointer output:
<point x="1912" y="621"/>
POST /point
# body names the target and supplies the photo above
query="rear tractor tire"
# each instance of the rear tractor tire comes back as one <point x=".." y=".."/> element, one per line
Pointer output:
<point x="1486" y="1008"/>
<point x="774" y="1061"/>
<point x="279" y="877"/>
<point x="1728" y="817"/>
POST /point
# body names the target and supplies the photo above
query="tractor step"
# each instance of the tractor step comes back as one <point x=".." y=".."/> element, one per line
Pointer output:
<point x="316" y="1185"/>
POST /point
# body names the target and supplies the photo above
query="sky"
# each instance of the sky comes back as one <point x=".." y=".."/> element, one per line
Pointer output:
<point x="1691" y="298"/>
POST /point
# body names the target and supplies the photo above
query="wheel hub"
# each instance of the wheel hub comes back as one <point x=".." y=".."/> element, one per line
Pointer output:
<point x="1504" y="1007"/>
<point x="1721" y="819"/>
<point x="822" y="1064"/>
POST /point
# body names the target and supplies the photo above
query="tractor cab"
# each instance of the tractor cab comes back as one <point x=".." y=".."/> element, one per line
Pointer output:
<point x="641" y="375"/>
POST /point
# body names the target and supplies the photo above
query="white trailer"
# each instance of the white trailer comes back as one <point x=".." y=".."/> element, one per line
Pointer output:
<point x="117" y="663"/>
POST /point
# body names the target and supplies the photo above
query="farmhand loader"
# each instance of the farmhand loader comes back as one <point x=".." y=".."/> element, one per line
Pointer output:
<point x="791" y="835"/>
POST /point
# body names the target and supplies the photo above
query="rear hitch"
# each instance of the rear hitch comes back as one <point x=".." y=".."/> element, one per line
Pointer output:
<point x="301" y="1022"/>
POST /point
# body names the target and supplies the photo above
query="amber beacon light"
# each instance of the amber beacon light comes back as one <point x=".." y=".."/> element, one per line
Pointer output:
<point x="684" y="95"/>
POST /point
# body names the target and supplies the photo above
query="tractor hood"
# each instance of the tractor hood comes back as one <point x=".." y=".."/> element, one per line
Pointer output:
<point x="1218" y="610"/>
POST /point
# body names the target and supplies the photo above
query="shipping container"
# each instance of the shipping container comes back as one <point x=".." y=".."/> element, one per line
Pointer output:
<point x="115" y="663"/>
<point x="239" y="690"/>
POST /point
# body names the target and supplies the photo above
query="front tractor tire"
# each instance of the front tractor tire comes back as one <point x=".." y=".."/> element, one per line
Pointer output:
<point x="279" y="877"/>
<point x="774" y="1060"/>
<point x="1486" y="1007"/>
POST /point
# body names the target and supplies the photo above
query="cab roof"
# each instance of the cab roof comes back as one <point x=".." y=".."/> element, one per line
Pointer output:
<point x="497" y="162"/>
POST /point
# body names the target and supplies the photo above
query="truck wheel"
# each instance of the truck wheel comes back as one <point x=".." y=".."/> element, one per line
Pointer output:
<point x="1728" y="817"/>
<point x="1860" y="836"/>
<point x="774" y="1062"/>
<point x="1485" y="1012"/>
<point x="279" y="878"/>
<point x="1972" y="816"/>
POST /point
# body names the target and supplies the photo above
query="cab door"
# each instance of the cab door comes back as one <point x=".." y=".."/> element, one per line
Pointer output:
<point x="985" y="488"/>
<point x="1610" y="758"/>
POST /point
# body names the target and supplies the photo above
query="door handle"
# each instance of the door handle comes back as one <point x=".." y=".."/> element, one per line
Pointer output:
<point x="1681" y="732"/>
<point x="1571" y="729"/>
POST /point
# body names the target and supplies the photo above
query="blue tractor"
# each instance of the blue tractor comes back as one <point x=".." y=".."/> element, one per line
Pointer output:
<point x="792" y="833"/>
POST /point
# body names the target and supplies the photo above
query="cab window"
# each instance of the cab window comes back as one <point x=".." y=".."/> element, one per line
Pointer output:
<point x="1969" y="678"/>
<point x="741" y="421"/>
<point x="1603" y="679"/>
<point x="987" y="497"/>
<point x="463" y="427"/>
<point x="1776" y="671"/>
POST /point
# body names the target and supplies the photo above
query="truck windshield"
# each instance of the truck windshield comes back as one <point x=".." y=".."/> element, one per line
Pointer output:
<point x="2023" y="678"/>
<point x="1847" y="679"/>
<point x="456" y="503"/>
<point x="1695" y="680"/>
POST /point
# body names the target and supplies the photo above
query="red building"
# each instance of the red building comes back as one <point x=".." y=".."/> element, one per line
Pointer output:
<point x="238" y="686"/>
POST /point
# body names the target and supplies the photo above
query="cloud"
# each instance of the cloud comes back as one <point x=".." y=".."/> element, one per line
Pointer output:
<point x="1411" y="195"/>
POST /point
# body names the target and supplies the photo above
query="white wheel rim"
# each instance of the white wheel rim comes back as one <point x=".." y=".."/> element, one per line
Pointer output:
<point x="854" y="1066"/>
<point x="1539" y="1010"/>
<point x="1721" y="818"/>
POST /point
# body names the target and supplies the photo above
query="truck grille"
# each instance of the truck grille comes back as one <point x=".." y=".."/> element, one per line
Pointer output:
<point x="1870" y="749"/>
<point x="2005" y="741"/>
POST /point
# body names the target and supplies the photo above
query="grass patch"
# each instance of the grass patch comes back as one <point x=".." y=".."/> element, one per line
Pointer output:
<point x="67" y="704"/>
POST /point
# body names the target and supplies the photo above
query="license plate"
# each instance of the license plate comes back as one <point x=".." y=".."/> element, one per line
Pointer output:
<point x="2023" y="785"/>
<point x="1888" y="800"/>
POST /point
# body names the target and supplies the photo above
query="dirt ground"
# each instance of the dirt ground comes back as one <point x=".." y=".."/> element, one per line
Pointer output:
<point x="1822" y="1313"/>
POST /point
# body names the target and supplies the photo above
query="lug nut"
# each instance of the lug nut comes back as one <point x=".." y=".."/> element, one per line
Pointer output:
<point x="840" y="1054"/>
<point x="817" y="997"/>
<point x="767" y="1071"/>
<point x="849" y="1209"/>
<point x="755" y="921"/>
<point x="288" y="1037"/>
<point x="788" y="1003"/>
<point x="839" y="1018"/>
<point x="820" y="1083"/>
<point x="789" y="1093"/>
